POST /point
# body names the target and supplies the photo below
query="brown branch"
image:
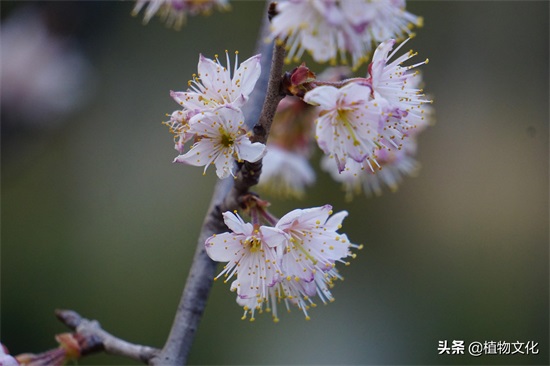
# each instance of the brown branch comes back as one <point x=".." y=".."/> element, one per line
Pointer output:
<point x="92" y="338"/>
<point x="226" y="197"/>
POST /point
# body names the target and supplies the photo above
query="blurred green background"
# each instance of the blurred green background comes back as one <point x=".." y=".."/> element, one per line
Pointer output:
<point x="96" y="218"/>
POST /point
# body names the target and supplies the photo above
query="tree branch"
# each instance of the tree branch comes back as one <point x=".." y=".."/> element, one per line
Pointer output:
<point x="92" y="338"/>
<point x="226" y="197"/>
<point x="248" y="174"/>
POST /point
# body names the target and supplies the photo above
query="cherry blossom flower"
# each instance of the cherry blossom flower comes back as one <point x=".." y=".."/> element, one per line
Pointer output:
<point x="390" y="105"/>
<point x="387" y="19"/>
<point x="292" y="262"/>
<point x="215" y="85"/>
<point x="212" y="88"/>
<point x="398" y="85"/>
<point x="292" y="293"/>
<point x="348" y="124"/>
<point x="313" y="242"/>
<point x="316" y="26"/>
<point x="221" y="138"/>
<point x="392" y="166"/>
<point x="253" y="255"/>
<point x="300" y="293"/>
<point x="174" y="12"/>
<point x="311" y="253"/>
<point x="331" y="29"/>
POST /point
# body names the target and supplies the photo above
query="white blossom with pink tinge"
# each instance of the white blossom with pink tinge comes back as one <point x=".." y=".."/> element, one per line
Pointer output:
<point x="221" y="138"/>
<point x="348" y="122"/>
<point x="216" y="85"/>
<point x="399" y="85"/>
<point x="314" y="243"/>
<point x="253" y="255"/>
<point x="331" y="29"/>
<point x="292" y="262"/>
<point x="392" y="166"/>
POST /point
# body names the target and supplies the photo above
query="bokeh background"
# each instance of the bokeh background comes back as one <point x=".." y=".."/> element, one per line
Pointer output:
<point x="96" y="218"/>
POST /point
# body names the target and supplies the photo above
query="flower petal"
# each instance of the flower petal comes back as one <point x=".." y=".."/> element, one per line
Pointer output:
<point x="188" y="100"/>
<point x="199" y="155"/>
<point x="249" y="151"/>
<point x="335" y="221"/>
<point x="211" y="74"/>
<point x="273" y="237"/>
<point x="225" y="163"/>
<point x="324" y="96"/>
<point x="223" y="247"/>
<point x="246" y="76"/>
<point x="236" y="224"/>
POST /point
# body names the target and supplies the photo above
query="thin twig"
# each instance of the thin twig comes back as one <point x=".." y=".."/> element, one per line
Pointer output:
<point x="92" y="338"/>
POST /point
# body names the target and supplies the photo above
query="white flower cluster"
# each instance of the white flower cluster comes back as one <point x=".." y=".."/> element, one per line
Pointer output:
<point x="329" y="29"/>
<point x="212" y="116"/>
<point x="372" y="123"/>
<point x="292" y="261"/>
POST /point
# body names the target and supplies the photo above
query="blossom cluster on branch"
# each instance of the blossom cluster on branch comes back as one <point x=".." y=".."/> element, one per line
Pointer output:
<point x="291" y="260"/>
<point x="365" y="126"/>
<point x="212" y="116"/>
<point x="368" y="127"/>
<point x="329" y="30"/>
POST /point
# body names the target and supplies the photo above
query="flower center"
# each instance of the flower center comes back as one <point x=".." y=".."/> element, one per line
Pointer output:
<point x="227" y="140"/>
<point x="254" y="243"/>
